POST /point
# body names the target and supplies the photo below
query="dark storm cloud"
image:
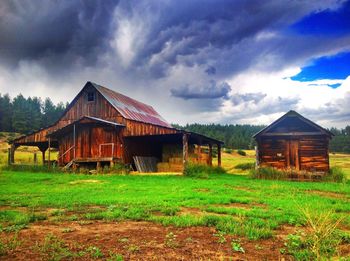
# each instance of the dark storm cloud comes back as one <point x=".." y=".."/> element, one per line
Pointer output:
<point x="221" y="32"/>
<point x="66" y="31"/>
<point x="211" y="91"/>
<point x="218" y="35"/>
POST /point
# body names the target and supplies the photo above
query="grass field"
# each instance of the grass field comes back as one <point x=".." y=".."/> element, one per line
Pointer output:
<point x="115" y="217"/>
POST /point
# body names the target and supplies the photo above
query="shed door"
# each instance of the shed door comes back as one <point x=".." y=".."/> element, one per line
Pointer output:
<point x="294" y="154"/>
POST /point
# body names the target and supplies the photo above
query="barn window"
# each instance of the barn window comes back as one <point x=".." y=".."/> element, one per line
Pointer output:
<point x="91" y="96"/>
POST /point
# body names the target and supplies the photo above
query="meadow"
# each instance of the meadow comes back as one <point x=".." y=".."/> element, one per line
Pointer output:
<point x="55" y="216"/>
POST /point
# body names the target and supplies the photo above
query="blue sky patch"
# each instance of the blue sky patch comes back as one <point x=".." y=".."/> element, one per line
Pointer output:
<point x="328" y="67"/>
<point x="329" y="22"/>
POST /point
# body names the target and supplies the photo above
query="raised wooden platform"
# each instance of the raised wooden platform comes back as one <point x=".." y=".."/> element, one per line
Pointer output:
<point x="88" y="160"/>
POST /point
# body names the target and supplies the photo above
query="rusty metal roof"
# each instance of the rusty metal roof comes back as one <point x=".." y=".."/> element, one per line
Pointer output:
<point x="132" y="109"/>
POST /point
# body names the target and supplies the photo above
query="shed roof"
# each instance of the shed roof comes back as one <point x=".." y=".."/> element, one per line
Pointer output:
<point x="292" y="113"/>
<point x="84" y="120"/>
<point x="130" y="108"/>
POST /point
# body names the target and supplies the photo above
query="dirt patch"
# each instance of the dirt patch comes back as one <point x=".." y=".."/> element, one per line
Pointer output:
<point x="241" y="188"/>
<point x="286" y="230"/>
<point x="328" y="194"/>
<point x="85" y="181"/>
<point x="141" y="241"/>
<point x="191" y="211"/>
<point x="205" y="190"/>
<point x="240" y="205"/>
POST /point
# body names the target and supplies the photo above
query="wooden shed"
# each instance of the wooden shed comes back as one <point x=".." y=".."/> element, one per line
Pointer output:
<point x="101" y="126"/>
<point x="293" y="142"/>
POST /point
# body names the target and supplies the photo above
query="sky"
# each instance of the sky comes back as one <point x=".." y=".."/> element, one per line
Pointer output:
<point x="204" y="61"/>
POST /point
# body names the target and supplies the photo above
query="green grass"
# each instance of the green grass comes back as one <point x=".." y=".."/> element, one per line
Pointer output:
<point x="268" y="204"/>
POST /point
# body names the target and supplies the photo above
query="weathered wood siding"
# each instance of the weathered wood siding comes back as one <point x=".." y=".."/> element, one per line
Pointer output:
<point x="313" y="152"/>
<point x="309" y="153"/>
<point x="272" y="152"/>
<point x="88" y="140"/>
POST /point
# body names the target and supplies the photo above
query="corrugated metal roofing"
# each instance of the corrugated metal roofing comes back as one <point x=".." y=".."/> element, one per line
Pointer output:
<point x="132" y="109"/>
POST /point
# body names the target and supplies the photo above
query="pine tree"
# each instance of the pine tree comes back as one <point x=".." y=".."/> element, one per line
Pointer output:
<point x="5" y="113"/>
<point x="20" y="120"/>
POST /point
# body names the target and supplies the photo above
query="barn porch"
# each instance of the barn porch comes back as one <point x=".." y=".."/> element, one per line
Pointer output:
<point x="171" y="152"/>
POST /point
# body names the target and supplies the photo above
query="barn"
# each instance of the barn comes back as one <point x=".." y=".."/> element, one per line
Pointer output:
<point x="102" y="127"/>
<point x="293" y="143"/>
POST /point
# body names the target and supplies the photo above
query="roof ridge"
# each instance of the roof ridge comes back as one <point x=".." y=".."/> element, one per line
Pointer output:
<point x="119" y="93"/>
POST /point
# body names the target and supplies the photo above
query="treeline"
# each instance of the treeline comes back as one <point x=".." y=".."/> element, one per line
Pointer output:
<point x="341" y="141"/>
<point x="234" y="136"/>
<point x="240" y="136"/>
<point x="24" y="115"/>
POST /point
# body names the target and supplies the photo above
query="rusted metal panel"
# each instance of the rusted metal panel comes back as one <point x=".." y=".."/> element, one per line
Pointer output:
<point x="132" y="109"/>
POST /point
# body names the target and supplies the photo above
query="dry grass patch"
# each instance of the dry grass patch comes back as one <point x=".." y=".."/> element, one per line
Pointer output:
<point x="328" y="194"/>
<point x="86" y="181"/>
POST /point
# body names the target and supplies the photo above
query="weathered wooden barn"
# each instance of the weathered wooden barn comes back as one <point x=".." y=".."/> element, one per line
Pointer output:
<point x="101" y="126"/>
<point x="295" y="143"/>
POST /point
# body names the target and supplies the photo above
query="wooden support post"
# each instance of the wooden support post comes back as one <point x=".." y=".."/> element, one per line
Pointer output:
<point x="49" y="148"/>
<point x="43" y="153"/>
<point x="257" y="162"/>
<point x="35" y="158"/>
<point x="185" y="149"/>
<point x="210" y="155"/>
<point x="13" y="149"/>
<point x="43" y="148"/>
<point x="98" y="166"/>
<point x="199" y="151"/>
<point x="9" y="157"/>
<point x="111" y="164"/>
<point x="219" y="155"/>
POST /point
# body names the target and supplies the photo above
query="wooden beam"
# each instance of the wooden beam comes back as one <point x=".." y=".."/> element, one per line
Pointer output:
<point x="210" y="155"/>
<point x="219" y="155"/>
<point x="185" y="149"/>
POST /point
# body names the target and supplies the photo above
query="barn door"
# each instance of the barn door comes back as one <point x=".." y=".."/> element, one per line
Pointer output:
<point x="294" y="154"/>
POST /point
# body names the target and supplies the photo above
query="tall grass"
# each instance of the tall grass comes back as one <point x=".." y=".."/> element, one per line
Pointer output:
<point x="268" y="173"/>
<point x="320" y="239"/>
<point x="201" y="171"/>
<point x="336" y="174"/>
